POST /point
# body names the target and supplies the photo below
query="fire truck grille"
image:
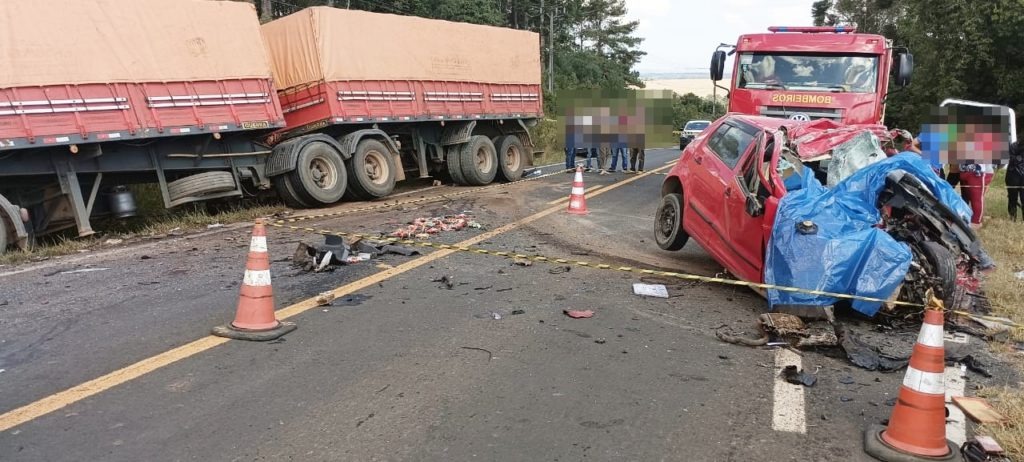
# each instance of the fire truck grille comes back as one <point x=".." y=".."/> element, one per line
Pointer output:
<point x="812" y="113"/>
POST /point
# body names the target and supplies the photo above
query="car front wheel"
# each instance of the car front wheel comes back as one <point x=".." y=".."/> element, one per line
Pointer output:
<point x="668" y="223"/>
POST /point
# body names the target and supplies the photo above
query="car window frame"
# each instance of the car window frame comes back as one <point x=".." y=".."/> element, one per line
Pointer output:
<point x="720" y="133"/>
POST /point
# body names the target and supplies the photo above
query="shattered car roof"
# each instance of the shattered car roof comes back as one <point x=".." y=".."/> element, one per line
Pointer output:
<point x="816" y="138"/>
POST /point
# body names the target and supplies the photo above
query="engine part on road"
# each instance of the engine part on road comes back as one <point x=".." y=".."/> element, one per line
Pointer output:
<point x="917" y="426"/>
<point x="254" y="318"/>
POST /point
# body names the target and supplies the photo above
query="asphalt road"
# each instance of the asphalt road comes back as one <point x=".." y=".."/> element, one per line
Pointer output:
<point x="403" y="367"/>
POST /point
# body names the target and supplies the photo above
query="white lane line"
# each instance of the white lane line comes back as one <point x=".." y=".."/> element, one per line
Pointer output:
<point x="788" y="413"/>
<point x="956" y="429"/>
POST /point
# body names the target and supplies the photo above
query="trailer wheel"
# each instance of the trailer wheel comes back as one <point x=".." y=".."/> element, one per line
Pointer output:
<point x="668" y="223"/>
<point x="371" y="170"/>
<point x="479" y="161"/>
<point x="285" y="190"/>
<point x="510" y="157"/>
<point x="320" y="176"/>
<point x="4" y="229"/>
<point x="452" y="159"/>
<point x="198" y="185"/>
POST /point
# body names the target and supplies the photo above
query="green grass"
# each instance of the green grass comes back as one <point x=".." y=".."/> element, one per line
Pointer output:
<point x="1004" y="241"/>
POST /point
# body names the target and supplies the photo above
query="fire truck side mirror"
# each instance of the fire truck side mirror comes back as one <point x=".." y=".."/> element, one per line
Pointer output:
<point x="717" y="65"/>
<point x="904" y="68"/>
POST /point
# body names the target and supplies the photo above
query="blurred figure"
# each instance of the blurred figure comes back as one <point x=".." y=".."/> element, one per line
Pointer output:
<point x="974" y="181"/>
<point x="1015" y="180"/>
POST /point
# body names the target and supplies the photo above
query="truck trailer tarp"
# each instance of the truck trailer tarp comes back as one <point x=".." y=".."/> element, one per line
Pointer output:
<point x="128" y="41"/>
<point x="328" y="44"/>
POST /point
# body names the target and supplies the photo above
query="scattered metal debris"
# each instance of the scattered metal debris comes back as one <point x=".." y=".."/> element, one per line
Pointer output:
<point x="866" y="356"/>
<point x="446" y="282"/>
<point x="797" y="376"/>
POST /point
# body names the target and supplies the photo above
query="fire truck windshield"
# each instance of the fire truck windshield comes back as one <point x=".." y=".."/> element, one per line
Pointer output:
<point x="760" y="71"/>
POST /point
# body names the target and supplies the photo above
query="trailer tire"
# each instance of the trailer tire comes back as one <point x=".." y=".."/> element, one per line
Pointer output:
<point x="288" y="194"/>
<point x="4" y="230"/>
<point x="479" y="161"/>
<point x="201" y="184"/>
<point x="371" y="170"/>
<point x="320" y="176"/>
<point x="452" y="159"/>
<point x="511" y="160"/>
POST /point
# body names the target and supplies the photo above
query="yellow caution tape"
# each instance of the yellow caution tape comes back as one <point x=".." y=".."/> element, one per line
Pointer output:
<point x="602" y="266"/>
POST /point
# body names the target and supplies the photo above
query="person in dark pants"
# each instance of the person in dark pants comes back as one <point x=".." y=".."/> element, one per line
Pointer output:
<point x="570" y="151"/>
<point x="636" y="160"/>
<point x="1015" y="180"/>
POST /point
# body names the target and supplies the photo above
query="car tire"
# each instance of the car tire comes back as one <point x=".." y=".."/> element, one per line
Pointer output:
<point x="668" y="223"/>
<point x="371" y="171"/>
<point x="479" y="161"/>
<point x="320" y="177"/>
<point x="511" y="160"/>
<point x="943" y="267"/>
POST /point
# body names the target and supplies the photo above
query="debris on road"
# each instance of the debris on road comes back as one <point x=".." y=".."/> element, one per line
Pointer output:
<point x="423" y="228"/>
<point x="325" y="298"/>
<point x="983" y="449"/>
<point x="797" y="376"/>
<point x="866" y="356"/>
<point x="978" y="409"/>
<point x="521" y="262"/>
<point x="517" y="312"/>
<point x="323" y="257"/>
<point x="650" y="290"/>
<point x="560" y="270"/>
<point x="578" y="314"/>
<point x="113" y="241"/>
<point x="446" y="282"/>
<point x="496" y="316"/>
<point x="215" y="226"/>
<point x="489" y="354"/>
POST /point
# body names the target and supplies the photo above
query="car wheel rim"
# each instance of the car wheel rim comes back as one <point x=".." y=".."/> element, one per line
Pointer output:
<point x="667" y="220"/>
<point x="376" y="167"/>
<point x="484" y="162"/>
<point x="323" y="173"/>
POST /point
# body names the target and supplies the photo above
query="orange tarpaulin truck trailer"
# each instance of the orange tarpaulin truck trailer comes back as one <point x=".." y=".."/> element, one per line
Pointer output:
<point x="394" y="94"/>
<point x="193" y="95"/>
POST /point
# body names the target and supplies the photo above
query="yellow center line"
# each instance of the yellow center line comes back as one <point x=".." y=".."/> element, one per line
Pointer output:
<point x="586" y="191"/>
<point x="51" y="403"/>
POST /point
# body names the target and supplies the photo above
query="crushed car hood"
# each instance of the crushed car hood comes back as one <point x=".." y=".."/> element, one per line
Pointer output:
<point x="815" y="140"/>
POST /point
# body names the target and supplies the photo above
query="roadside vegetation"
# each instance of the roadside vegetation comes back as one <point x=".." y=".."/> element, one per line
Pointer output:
<point x="153" y="222"/>
<point x="1004" y="240"/>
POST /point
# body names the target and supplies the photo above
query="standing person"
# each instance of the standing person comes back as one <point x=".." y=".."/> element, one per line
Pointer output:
<point x="1015" y="180"/>
<point x="636" y="158"/>
<point x="570" y="148"/>
<point x="974" y="181"/>
<point x="602" y="158"/>
<point x="623" y="149"/>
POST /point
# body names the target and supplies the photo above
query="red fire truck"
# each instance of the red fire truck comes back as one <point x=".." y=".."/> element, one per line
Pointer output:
<point x="806" y="73"/>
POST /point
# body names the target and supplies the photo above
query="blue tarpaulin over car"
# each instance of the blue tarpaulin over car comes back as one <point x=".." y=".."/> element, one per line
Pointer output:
<point x="846" y="254"/>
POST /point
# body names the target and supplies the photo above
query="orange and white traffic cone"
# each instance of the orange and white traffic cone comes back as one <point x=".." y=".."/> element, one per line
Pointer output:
<point x="917" y="427"/>
<point x="577" y="201"/>
<point x="254" y="318"/>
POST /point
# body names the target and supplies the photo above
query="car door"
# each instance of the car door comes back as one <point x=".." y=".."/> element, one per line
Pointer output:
<point x="714" y="180"/>
<point x="745" y="221"/>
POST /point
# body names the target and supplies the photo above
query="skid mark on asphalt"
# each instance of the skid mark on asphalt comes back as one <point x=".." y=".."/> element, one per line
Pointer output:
<point x="788" y="413"/>
<point x="93" y="387"/>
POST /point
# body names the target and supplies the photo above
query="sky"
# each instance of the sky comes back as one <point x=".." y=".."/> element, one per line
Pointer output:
<point x="680" y="35"/>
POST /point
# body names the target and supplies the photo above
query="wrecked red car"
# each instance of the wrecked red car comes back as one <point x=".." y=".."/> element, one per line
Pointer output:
<point x="726" y="189"/>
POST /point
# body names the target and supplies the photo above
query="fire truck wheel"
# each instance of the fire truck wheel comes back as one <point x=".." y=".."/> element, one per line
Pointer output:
<point x="479" y="161"/>
<point x="201" y="184"/>
<point x="371" y="171"/>
<point x="510" y="157"/>
<point x="668" y="223"/>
